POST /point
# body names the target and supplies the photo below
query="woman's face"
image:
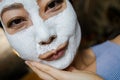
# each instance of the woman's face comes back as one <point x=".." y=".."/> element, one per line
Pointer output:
<point x="42" y="30"/>
<point x="16" y="13"/>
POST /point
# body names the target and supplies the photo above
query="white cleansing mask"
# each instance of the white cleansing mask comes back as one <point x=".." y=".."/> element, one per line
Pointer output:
<point x="64" y="26"/>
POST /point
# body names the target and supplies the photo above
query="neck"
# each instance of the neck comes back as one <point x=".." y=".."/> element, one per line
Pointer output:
<point x="83" y="59"/>
<point x="78" y="63"/>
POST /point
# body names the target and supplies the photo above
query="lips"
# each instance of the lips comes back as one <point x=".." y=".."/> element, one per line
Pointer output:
<point x="54" y="54"/>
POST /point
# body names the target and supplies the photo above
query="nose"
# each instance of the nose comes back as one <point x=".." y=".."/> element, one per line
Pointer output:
<point x="50" y="40"/>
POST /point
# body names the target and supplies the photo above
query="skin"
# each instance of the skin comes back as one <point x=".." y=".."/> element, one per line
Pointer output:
<point x="49" y="73"/>
<point x="116" y="40"/>
<point x="44" y="13"/>
<point x="13" y="14"/>
<point x="38" y="38"/>
<point x="83" y="66"/>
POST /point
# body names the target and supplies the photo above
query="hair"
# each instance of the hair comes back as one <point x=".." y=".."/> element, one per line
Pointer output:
<point x="71" y="1"/>
<point x="114" y="34"/>
<point x="1" y="25"/>
<point x="113" y="15"/>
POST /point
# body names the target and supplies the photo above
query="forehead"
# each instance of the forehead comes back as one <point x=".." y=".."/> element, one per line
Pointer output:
<point x="28" y="4"/>
<point x="4" y="3"/>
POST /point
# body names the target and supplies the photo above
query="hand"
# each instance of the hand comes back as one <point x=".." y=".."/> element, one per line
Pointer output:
<point x="49" y="73"/>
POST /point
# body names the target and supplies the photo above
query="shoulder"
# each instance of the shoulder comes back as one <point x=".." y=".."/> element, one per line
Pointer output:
<point x="116" y="40"/>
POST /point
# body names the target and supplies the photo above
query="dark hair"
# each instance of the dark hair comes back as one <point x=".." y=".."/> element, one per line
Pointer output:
<point x="1" y="25"/>
<point x="114" y="34"/>
<point x="113" y="15"/>
<point x="71" y="1"/>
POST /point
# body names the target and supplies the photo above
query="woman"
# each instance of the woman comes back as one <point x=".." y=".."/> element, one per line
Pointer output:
<point x="102" y="59"/>
<point x="51" y="33"/>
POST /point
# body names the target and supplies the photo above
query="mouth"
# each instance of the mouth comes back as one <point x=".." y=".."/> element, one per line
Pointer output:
<point x="54" y="54"/>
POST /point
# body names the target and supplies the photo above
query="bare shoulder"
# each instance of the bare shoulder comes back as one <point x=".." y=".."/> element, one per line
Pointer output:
<point x="116" y="40"/>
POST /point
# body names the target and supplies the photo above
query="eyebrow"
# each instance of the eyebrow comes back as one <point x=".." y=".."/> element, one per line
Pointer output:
<point x="12" y="7"/>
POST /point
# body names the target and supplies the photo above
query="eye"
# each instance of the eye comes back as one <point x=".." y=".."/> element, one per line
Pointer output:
<point x="16" y="22"/>
<point x="53" y="4"/>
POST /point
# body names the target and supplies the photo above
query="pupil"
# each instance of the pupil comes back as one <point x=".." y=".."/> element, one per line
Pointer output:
<point x="17" y="21"/>
<point x="52" y="4"/>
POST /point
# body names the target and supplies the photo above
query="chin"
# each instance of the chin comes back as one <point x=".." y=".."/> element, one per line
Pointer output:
<point x="61" y="63"/>
<point x="66" y="59"/>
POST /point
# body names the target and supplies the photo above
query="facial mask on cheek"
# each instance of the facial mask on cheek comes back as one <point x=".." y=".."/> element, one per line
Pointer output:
<point x="23" y="41"/>
<point x="64" y="25"/>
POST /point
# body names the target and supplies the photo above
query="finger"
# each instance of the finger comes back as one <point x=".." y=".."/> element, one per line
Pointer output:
<point x="41" y="74"/>
<point x="57" y="74"/>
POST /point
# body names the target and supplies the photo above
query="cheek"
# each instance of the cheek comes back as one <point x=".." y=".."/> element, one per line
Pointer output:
<point x="62" y="27"/>
<point x="64" y="23"/>
<point x="23" y="42"/>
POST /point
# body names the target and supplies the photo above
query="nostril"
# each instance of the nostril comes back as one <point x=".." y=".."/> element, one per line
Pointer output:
<point x="51" y="39"/>
<point x="54" y="37"/>
<point x="42" y="43"/>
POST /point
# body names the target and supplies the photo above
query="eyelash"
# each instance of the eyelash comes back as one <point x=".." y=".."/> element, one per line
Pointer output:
<point x="53" y="4"/>
<point x="16" y="23"/>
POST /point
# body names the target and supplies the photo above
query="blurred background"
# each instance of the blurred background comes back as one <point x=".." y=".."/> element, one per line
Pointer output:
<point x="98" y="18"/>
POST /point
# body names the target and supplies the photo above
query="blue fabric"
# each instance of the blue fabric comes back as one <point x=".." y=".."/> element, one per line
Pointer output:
<point x="108" y="60"/>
